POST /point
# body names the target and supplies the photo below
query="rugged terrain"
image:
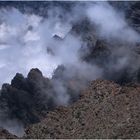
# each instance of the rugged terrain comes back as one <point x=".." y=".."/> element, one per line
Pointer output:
<point x="72" y="105"/>
<point x="104" y="110"/>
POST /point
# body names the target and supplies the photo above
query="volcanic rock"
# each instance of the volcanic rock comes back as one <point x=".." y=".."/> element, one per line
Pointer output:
<point x="26" y="99"/>
<point x="105" y="110"/>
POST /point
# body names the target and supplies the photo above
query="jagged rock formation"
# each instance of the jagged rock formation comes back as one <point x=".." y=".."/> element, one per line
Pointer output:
<point x="29" y="99"/>
<point x="105" y="110"/>
<point x="26" y="99"/>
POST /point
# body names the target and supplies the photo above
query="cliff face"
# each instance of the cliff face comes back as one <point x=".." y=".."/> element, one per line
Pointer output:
<point x="105" y="110"/>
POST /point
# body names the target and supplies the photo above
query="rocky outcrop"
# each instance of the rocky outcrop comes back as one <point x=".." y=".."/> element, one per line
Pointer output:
<point x="26" y="99"/>
<point x="105" y="110"/>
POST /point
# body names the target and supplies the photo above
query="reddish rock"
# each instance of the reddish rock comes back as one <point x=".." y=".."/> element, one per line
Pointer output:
<point x="105" y="110"/>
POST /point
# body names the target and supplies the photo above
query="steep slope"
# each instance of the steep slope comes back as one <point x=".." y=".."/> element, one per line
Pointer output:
<point x="105" y="110"/>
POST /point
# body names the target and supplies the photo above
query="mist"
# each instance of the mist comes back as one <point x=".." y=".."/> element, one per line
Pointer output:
<point x="111" y="23"/>
<point x="31" y="41"/>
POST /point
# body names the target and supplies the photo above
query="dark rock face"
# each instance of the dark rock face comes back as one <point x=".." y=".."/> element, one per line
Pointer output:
<point x="4" y="134"/>
<point x="27" y="99"/>
<point x="99" y="54"/>
<point x="107" y="53"/>
<point x="133" y="15"/>
<point x="105" y="110"/>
